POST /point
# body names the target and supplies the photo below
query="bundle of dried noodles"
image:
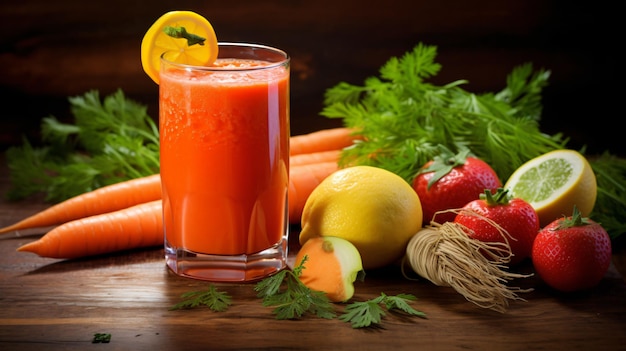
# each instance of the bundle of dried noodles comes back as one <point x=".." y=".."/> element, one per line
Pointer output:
<point x="447" y="256"/>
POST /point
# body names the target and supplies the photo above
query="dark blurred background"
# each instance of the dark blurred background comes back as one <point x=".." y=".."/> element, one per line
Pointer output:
<point x="50" y="50"/>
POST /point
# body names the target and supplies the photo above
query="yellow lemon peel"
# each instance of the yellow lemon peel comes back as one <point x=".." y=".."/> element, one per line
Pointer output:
<point x="374" y="209"/>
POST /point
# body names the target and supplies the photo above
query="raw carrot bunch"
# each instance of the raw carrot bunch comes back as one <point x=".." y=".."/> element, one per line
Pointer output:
<point x="133" y="227"/>
<point x="106" y="199"/>
<point x="322" y="140"/>
<point x="127" y="215"/>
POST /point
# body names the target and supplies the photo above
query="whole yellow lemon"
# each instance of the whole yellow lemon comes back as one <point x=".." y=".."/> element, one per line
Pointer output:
<point x="374" y="209"/>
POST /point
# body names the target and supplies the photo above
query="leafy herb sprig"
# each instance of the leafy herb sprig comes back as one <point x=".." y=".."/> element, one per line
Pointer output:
<point x="610" y="207"/>
<point x="101" y="338"/>
<point x="370" y="312"/>
<point x="108" y="141"/>
<point x="295" y="299"/>
<point x="292" y="299"/>
<point x="404" y="119"/>
<point x="217" y="301"/>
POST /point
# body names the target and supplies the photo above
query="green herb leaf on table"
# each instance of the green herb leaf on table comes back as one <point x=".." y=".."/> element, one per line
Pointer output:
<point x="363" y="314"/>
<point x="291" y="298"/>
<point x="101" y="338"/>
<point x="370" y="313"/>
<point x="400" y="302"/>
<point x="217" y="301"/>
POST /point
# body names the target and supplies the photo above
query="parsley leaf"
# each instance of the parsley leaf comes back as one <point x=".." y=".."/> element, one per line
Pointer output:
<point x="363" y="314"/>
<point x="291" y="298"/>
<point x="101" y="338"/>
<point x="217" y="301"/>
<point x="370" y="312"/>
<point x="400" y="302"/>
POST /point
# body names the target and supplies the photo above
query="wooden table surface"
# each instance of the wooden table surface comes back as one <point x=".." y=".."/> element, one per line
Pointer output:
<point x="52" y="304"/>
<point x="52" y="50"/>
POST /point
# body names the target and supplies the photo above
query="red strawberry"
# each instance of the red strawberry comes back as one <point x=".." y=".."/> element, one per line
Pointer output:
<point x="572" y="253"/>
<point x="450" y="181"/>
<point x="514" y="215"/>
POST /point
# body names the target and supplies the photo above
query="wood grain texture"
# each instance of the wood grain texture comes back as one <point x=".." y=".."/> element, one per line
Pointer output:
<point x="61" y="304"/>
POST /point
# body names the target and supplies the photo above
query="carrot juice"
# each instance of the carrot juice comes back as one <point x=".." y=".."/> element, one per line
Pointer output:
<point x="224" y="139"/>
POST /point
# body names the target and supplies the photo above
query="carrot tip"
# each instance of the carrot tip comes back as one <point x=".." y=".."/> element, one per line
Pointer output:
<point x="8" y="229"/>
<point x="30" y="247"/>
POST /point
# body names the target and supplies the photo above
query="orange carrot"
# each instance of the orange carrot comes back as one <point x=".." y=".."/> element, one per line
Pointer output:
<point x="302" y="180"/>
<point x="130" y="228"/>
<point x="322" y="140"/>
<point x="106" y="199"/>
<point x="313" y="148"/>
<point x="306" y="171"/>
<point x="314" y="157"/>
<point x="141" y="225"/>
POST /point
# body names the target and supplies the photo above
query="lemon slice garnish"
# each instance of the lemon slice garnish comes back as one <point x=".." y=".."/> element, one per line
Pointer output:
<point x="155" y="42"/>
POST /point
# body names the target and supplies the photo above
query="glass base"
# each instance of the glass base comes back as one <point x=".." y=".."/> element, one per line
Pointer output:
<point x="227" y="268"/>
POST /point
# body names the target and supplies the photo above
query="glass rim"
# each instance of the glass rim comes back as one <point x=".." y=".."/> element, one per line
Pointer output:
<point x="285" y="59"/>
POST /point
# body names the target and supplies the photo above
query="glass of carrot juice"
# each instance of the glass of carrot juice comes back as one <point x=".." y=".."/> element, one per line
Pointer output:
<point x="224" y="159"/>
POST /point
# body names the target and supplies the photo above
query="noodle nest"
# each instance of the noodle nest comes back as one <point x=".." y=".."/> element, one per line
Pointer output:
<point x="447" y="256"/>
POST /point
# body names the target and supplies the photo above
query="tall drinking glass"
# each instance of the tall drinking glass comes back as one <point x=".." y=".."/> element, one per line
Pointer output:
<point x="224" y="136"/>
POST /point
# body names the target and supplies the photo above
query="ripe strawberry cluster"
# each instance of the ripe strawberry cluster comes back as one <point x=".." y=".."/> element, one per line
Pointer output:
<point x="570" y="254"/>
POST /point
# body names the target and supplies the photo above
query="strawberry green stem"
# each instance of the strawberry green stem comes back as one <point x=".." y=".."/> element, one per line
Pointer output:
<point x="444" y="162"/>
<point x="576" y="220"/>
<point x="501" y="197"/>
